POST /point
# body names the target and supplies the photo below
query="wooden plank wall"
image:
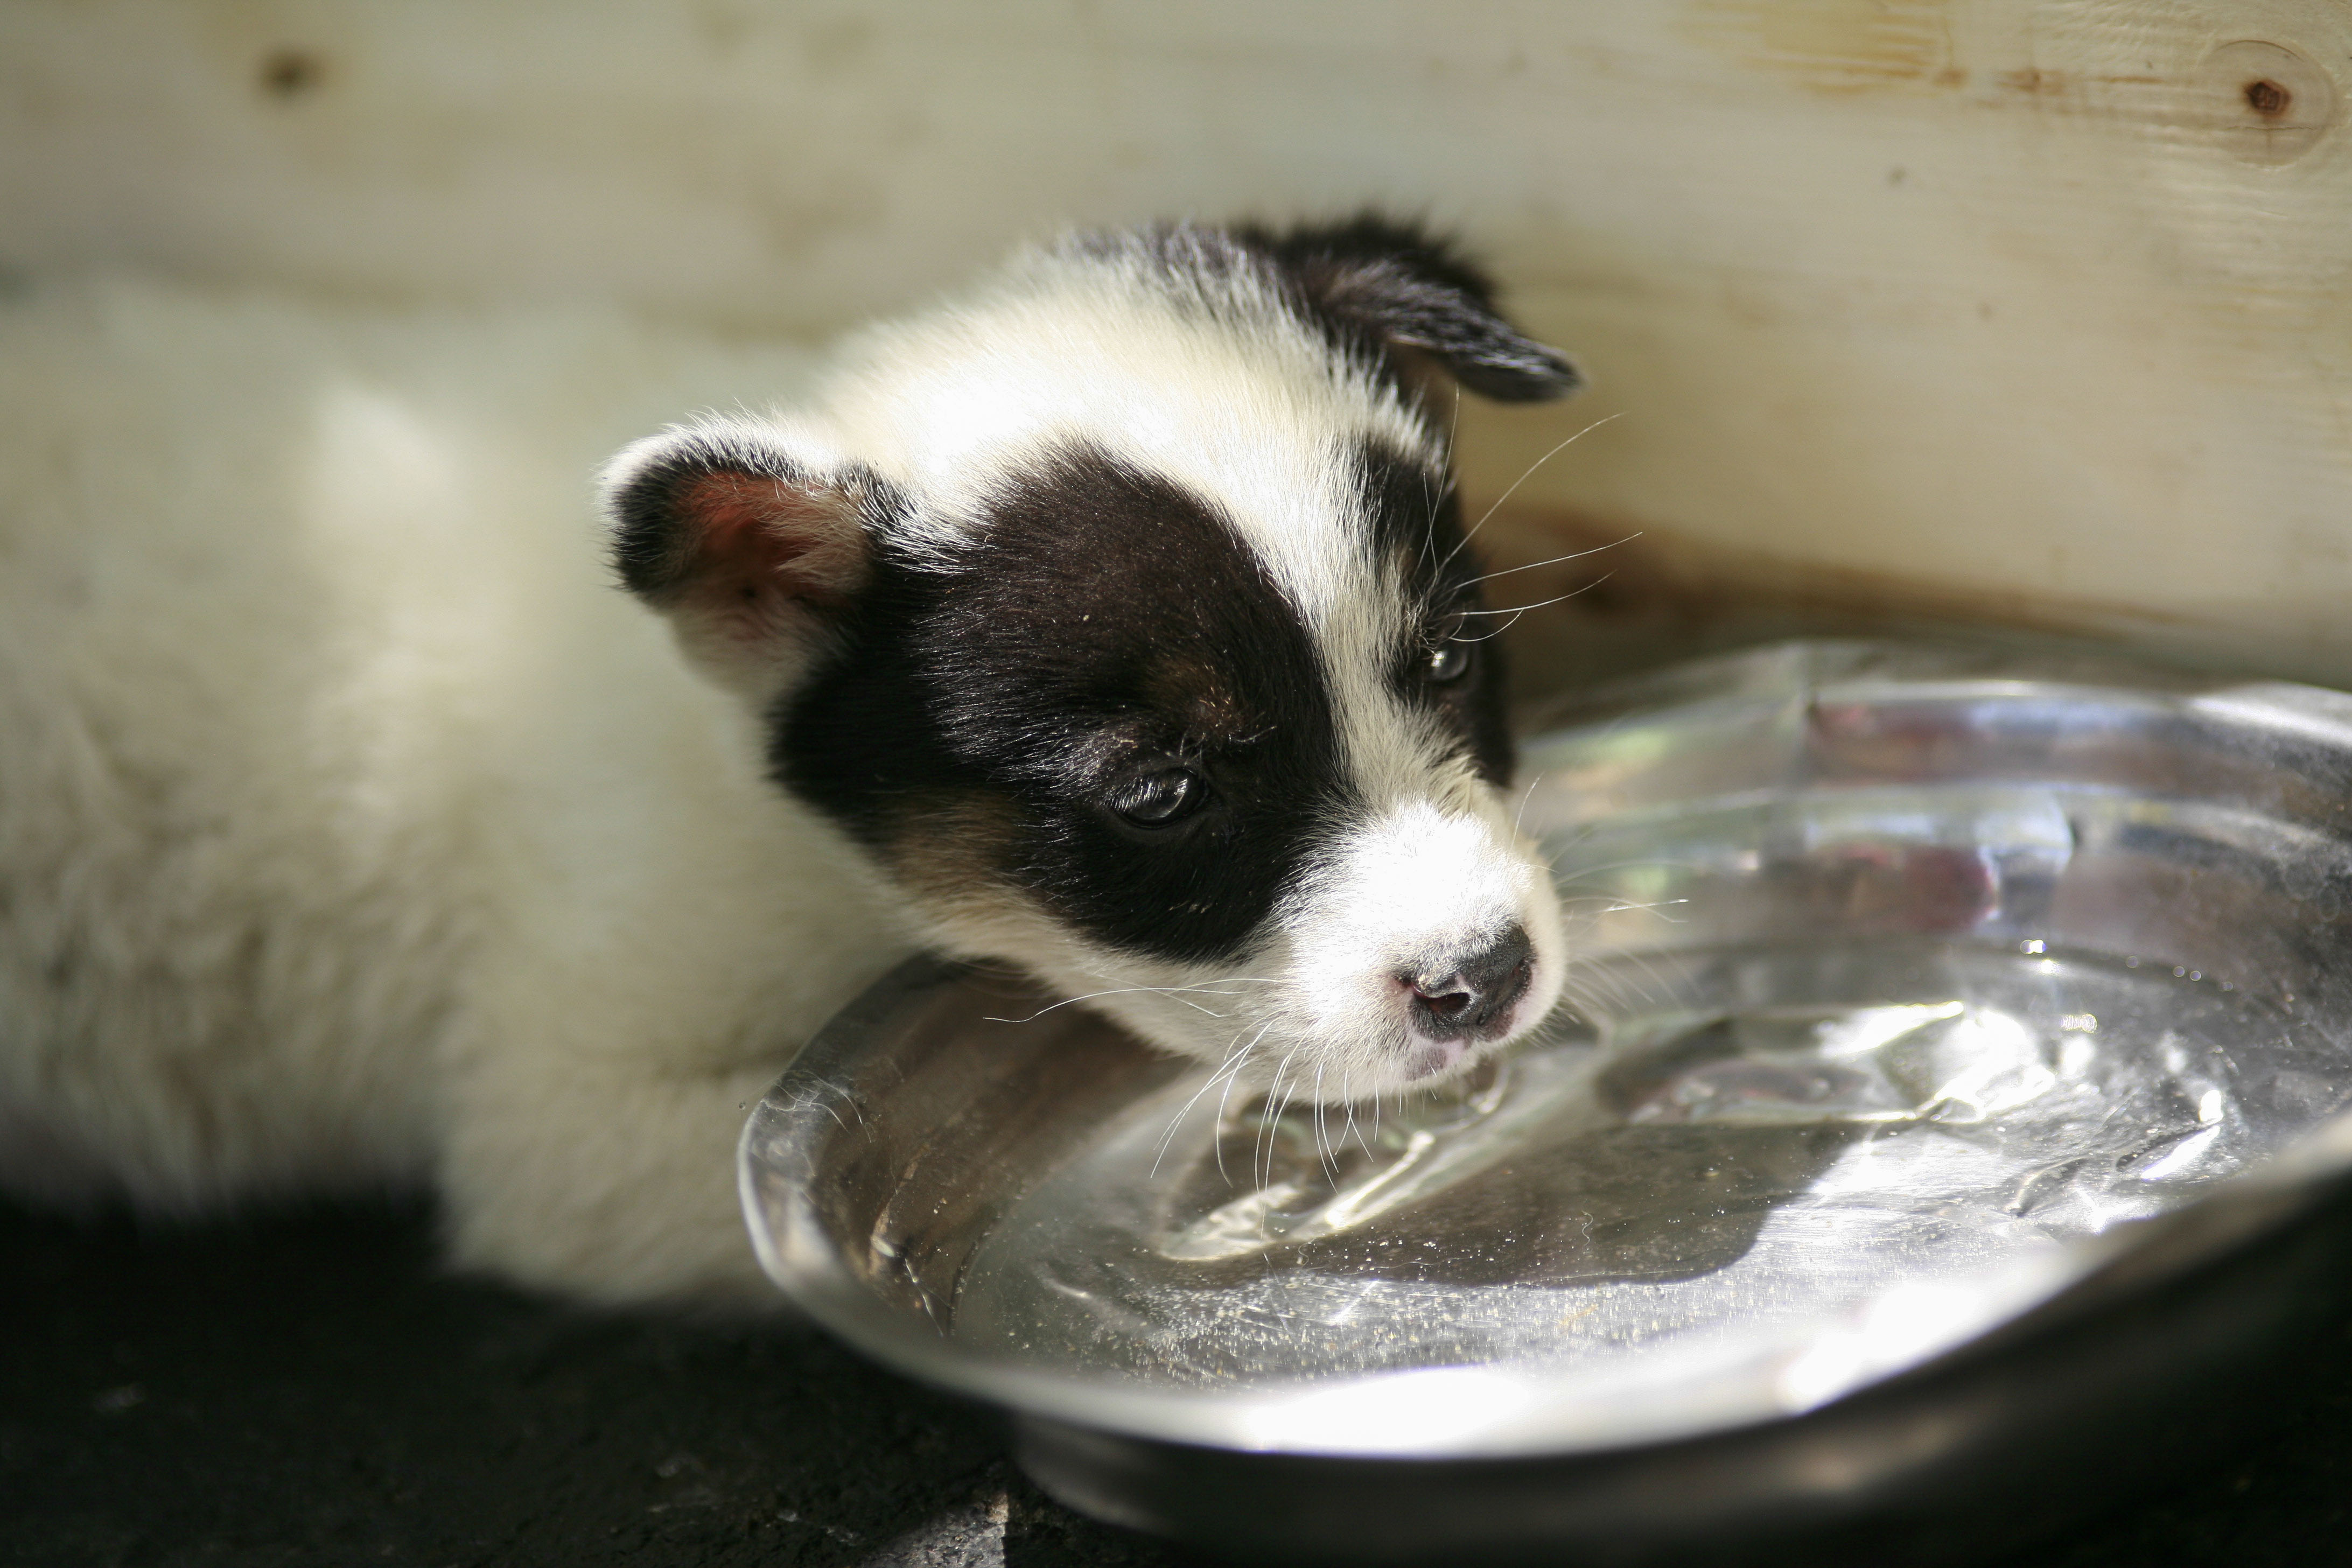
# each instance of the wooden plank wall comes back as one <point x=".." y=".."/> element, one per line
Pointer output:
<point x="2028" y="313"/>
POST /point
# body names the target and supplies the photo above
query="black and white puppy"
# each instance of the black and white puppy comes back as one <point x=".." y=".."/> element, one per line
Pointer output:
<point x="1115" y="620"/>
<point x="1122" y="614"/>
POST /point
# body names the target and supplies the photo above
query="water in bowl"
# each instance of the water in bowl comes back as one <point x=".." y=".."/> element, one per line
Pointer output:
<point x="1706" y="1175"/>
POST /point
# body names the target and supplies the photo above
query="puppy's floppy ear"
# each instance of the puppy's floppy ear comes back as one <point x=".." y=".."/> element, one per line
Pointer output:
<point x="749" y="537"/>
<point x="1406" y="289"/>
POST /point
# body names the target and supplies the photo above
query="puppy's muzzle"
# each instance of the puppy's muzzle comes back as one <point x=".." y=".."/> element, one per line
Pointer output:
<point x="1476" y="1000"/>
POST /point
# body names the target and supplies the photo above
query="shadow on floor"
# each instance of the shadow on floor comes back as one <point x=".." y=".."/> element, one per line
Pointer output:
<point x="311" y="1388"/>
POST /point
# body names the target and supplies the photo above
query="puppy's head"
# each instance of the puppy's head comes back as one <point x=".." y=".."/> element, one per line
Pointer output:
<point x="1123" y="615"/>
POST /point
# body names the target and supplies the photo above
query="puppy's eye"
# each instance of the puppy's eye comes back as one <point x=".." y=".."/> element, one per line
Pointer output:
<point x="1161" y="799"/>
<point x="1448" y="662"/>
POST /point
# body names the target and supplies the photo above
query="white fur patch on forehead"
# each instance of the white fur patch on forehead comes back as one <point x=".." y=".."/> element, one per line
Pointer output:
<point x="1203" y="374"/>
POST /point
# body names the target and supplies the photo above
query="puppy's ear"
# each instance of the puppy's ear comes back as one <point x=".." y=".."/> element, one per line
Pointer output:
<point x="1412" y="294"/>
<point x="750" y="539"/>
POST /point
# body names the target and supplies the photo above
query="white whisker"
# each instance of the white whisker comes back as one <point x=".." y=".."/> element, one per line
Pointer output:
<point x="1523" y="478"/>
<point x="1202" y="986"/>
<point x="1224" y="1102"/>
<point x="1519" y="817"/>
<point x="1555" y="560"/>
<point x="1228" y="1070"/>
<point x="1262" y="1150"/>
<point x="1329" y="1166"/>
<point x="1515" y="611"/>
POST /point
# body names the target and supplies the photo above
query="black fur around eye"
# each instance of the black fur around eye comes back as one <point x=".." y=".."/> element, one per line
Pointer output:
<point x="1162" y="799"/>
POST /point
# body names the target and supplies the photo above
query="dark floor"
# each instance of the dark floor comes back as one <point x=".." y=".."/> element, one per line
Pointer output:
<point x="311" y="1389"/>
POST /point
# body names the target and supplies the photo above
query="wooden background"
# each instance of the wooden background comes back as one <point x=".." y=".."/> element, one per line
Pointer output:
<point x="2028" y="313"/>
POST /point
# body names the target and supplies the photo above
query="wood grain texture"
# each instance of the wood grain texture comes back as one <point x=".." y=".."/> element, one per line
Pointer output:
<point x="2035" y="310"/>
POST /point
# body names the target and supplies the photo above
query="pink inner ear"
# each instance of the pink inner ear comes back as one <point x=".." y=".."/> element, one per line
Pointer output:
<point x="763" y="546"/>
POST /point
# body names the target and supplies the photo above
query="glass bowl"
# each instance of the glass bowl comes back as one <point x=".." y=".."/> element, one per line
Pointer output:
<point x="1932" y="1007"/>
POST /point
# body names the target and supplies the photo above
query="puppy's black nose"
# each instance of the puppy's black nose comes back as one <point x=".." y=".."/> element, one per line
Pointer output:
<point x="1474" y="999"/>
